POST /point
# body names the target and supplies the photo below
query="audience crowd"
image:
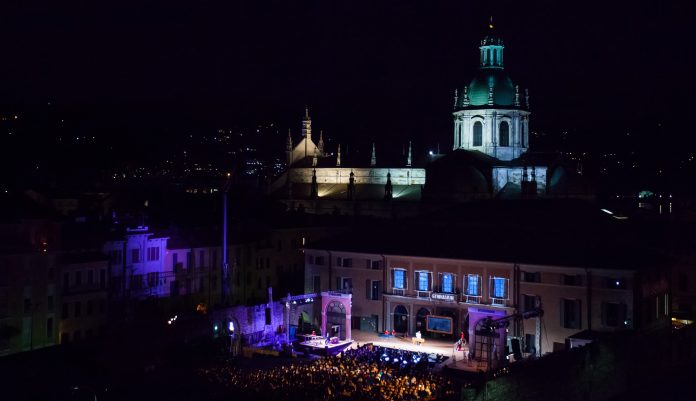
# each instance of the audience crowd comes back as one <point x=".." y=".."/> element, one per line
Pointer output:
<point x="366" y="373"/>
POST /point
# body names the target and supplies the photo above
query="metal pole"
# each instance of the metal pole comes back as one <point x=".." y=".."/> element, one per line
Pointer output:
<point x="224" y="247"/>
<point x="225" y="262"/>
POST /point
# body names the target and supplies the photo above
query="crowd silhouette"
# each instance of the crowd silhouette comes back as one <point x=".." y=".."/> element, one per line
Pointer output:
<point x="366" y="373"/>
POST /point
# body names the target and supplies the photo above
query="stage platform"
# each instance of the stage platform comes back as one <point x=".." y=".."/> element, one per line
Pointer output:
<point x="319" y="346"/>
<point x="457" y="360"/>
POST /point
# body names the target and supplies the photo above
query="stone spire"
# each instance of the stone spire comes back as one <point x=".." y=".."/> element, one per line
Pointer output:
<point x="490" y="95"/>
<point x="338" y="157"/>
<point x="288" y="148"/>
<point x="465" y="102"/>
<point x="307" y="130"/>
<point x="526" y="97"/>
<point x="408" y="159"/>
<point x="315" y="158"/>
<point x="373" y="159"/>
<point x="517" y="96"/>
<point x="321" y="143"/>
<point x="456" y="98"/>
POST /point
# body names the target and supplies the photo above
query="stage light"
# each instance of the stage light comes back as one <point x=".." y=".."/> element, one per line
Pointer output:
<point x="231" y="326"/>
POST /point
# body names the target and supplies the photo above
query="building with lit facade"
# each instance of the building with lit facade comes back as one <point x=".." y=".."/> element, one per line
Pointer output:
<point x="490" y="158"/>
<point x="321" y="181"/>
<point x="465" y="268"/>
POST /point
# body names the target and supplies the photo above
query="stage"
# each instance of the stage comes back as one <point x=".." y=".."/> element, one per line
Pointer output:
<point x="319" y="345"/>
<point x="457" y="360"/>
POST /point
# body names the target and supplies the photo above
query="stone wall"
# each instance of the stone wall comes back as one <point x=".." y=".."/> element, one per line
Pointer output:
<point x="250" y="321"/>
<point x="341" y="175"/>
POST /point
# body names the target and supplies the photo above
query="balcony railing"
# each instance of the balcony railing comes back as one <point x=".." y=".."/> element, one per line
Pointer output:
<point x="399" y="291"/>
<point x="423" y="294"/>
<point x="498" y="301"/>
<point x="472" y="299"/>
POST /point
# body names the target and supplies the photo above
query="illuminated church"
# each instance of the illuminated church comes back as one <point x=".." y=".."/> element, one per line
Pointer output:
<point x="490" y="158"/>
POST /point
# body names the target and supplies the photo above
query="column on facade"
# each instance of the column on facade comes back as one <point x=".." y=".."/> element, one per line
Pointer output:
<point x="525" y="132"/>
<point x="457" y="131"/>
<point x="494" y="130"/>
<point x="466" y="132"/>
<point x="411" y="320"/>
<point x="515" y="134"/>
<point x="348" y="334"/>
<point x="493" y="141"/>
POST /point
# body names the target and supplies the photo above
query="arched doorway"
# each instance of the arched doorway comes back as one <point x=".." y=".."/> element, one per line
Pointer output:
<point x="400" y="319"/>
<point x="422" y="320"/>
<point x="336" y="319"/>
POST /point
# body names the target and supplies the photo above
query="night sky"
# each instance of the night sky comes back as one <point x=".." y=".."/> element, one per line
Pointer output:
<point x="373" y="70"/>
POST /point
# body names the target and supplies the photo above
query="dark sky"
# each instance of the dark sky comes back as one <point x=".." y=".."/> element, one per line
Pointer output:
<point x="368" y="69"/>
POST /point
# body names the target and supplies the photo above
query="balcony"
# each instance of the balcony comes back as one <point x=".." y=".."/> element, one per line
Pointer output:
<point x="472" y="299"/>
<point x="498" y="301"/>
<point x="423" y="294"/>
<point x="399" y="291"/>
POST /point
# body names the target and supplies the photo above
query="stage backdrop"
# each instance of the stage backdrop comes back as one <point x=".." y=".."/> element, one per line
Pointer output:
<point x="439" y="324"/>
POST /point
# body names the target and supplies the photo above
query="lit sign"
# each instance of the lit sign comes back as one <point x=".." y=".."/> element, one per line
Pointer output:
<point x="442" y="296"/>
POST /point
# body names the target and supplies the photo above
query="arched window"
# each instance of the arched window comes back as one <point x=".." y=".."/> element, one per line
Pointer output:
<point x="504" y="134"/>
<point x="478" y="133"/>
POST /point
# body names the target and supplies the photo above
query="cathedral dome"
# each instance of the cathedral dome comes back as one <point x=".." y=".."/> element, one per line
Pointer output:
<point x="503" y="88"/>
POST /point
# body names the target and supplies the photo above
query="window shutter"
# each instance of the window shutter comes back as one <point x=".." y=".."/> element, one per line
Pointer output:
<point x="563" y="306"/>
<point x="379" y="290"/>
<point x="578" y="314"/>
<point x="368" y="289"/>
<point x="338" y="283"/>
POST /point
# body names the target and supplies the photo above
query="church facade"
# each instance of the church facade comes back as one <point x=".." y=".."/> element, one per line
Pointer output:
<point x="490" y="158"/>
<point x="321" y="182"/>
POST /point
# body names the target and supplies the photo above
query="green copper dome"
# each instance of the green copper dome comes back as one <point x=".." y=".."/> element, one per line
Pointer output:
<point x="503" y="89"/>
<point x="491" y="75"/>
